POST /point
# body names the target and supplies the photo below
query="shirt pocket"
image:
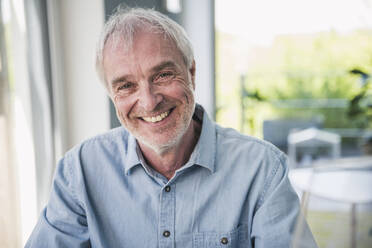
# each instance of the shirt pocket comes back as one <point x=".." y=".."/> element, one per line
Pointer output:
<point x="233" y="239"/>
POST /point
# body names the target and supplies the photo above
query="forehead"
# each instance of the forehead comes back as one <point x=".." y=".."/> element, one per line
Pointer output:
<point x="146" y="48"/>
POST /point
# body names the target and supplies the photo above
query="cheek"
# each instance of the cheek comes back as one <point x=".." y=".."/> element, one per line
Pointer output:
<point x="184" y="87"/>
<point x="122" y="105"/>
<point x="188" y="93"/>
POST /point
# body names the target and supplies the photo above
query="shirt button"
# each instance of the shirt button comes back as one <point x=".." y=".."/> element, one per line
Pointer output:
<point x="166" y="234"/>
<point x="167" y="188"/>
<point x="224" y="241"/>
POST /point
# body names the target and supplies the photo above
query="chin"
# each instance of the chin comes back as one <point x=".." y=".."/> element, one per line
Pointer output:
<point x="160" y="146"/>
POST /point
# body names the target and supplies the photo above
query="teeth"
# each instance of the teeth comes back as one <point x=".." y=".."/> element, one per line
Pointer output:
<point x="156" y="118"/>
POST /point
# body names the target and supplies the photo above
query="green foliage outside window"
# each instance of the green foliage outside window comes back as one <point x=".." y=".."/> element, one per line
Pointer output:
<point x="294" y="70"/>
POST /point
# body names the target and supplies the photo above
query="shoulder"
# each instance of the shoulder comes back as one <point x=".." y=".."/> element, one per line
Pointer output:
<point x="248" y="157"/>
<point x="94" y="157"/>
<point x="114" y="137"/>
<point x="252" y="160"/>
<point x="106" y="146"/>
<point x="231" y="141"/>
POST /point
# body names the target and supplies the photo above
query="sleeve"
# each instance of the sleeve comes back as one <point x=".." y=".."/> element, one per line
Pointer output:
<point x="63" y="222"/>
<point x="275" y="221"/>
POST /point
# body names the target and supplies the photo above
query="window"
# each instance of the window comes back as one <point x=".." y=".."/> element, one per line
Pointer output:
<point x="24" y="119"/>
<point x="287" y="64"/>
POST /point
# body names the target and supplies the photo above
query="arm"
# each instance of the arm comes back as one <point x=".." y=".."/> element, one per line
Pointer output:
<point x="278" y="209"/>
<point x="63" y="221"/>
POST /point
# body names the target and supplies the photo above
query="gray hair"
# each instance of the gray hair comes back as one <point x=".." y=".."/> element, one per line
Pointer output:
<point x="125" y="22"/>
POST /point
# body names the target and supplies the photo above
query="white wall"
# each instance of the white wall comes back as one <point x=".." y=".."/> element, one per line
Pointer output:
<point x="198" y="19"/>
<point x="85" y="105"/>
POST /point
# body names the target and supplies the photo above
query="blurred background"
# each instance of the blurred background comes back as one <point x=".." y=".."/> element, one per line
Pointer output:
<point x="296" y="73"/>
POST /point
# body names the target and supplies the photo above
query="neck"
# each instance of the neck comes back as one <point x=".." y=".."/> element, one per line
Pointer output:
<point x="167" y="162"/>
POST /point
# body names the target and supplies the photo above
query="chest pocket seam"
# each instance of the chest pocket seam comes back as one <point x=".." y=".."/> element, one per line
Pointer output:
<point x="235" y="238"/>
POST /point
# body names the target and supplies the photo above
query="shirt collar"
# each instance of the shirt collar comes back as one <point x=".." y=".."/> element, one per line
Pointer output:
<point x="204" y="152"/>
<point x="131" y="159"/>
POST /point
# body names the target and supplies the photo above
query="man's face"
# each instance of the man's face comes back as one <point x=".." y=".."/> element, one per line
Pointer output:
<point x="152" y="89"/>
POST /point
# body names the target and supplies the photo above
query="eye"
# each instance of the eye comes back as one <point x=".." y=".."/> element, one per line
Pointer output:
<point x="164" y="76"/>
<point x="126" y="86"/>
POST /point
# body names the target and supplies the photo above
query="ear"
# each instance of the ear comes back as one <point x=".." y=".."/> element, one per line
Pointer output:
<point x="192" y="73"/>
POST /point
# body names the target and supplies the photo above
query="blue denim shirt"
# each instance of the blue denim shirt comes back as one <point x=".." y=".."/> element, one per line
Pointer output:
<point x="233" y="192"/>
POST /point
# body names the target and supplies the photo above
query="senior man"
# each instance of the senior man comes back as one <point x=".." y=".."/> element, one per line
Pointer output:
<point x="169" y="177"/>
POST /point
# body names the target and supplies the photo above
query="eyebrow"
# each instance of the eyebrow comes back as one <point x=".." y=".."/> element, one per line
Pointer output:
<point x="154" y="69"/>
<point x="120" y="79"/>
<point x="163" y="65"/>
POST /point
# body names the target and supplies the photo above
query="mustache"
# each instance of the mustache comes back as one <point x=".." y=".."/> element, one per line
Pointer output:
<point x="161" y="107"/>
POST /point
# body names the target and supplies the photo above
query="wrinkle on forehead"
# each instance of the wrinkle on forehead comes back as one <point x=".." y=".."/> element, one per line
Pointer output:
<point x="118" y="40"/>
<point x="159" y="43"/>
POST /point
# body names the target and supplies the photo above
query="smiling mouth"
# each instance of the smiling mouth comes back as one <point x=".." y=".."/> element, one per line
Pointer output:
<point x="160" y="117"/>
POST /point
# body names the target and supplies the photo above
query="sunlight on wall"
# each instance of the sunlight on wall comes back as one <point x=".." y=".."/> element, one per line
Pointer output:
<point x="26" y="170"/>
<point x="22" y="161"/>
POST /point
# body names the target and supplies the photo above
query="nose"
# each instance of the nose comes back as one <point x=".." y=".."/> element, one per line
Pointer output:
<point x="148" y="98"/>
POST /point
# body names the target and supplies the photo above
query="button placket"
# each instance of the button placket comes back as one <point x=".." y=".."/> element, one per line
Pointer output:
<point x="167" y="217"/>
